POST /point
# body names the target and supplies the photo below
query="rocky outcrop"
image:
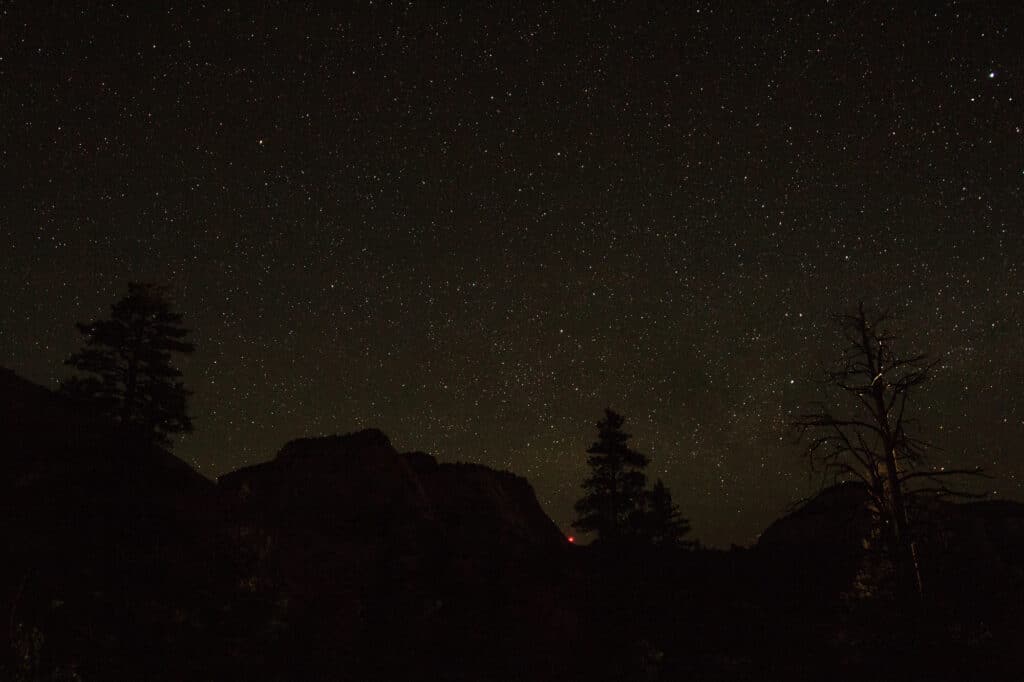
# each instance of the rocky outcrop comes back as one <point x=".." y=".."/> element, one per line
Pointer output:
<point x="342" y="485"/>
<point x="957" y="544"/>
<point x="817" y="551"/>
<point x="363" y="546"/>
<point x="66" y="474"/>
<point x="837" y="519"/>
<point x="52" y="446"/>
<point x="344" y="559"/>
<point x="107" y="546"/>
<point x="483" y="506"/>
<point x="358" y="483"/>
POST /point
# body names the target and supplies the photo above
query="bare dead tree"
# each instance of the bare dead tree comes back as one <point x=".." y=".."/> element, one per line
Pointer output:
<point x="870" y="438"/>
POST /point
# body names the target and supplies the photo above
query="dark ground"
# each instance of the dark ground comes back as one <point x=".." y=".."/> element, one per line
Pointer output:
<point x="343" y="559"/>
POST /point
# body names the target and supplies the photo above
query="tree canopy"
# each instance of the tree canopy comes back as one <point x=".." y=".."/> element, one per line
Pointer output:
<point x="664" y="524"/>
<point x="126" y="366"/>
<point x="613" y="501"/>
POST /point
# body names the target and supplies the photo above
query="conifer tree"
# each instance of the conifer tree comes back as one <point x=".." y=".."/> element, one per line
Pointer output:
<point x="665" y="525"/>
<point x="126" y="362"/>
<point x="613" y="502"/>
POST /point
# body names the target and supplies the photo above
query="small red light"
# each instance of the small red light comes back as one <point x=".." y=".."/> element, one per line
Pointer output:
<point x="571" y="539"/>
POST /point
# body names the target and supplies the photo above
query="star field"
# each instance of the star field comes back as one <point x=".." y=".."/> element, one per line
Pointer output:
<point x="474" y="227"/>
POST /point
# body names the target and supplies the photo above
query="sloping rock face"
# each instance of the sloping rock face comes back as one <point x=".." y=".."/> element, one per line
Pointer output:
<point x="484" y="507"/>
<point x="342" y="485"/>
<point x="818" y="549"/>
<point x="107" y="547"/>
<point x="972" y="557"/>
<point x="959" y="545"/>
<point x="339" y="559"/>
<point x="357" y="483"/>
<point x="1002" y="525"/>
<point x="838" y="518"/>
<point x="66" y="477"/>
<point x="56" y="451"/>
<point x="365" y="547"/>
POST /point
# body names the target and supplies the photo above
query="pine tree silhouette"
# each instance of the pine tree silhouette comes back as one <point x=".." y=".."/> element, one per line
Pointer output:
<point x="126" y="360"/>
<point x="664" y="524"/>
<point x="614" y="498"/>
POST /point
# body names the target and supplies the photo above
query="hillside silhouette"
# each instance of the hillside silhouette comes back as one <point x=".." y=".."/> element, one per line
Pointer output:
<point x="344" y="559"/>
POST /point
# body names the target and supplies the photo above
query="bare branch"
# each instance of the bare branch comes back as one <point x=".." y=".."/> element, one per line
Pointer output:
<point x="943" y="491"/>
<point x="931" y="475"/>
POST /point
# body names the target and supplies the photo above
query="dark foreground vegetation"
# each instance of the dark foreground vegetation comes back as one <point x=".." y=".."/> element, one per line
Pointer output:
<point x="343" y="559"/>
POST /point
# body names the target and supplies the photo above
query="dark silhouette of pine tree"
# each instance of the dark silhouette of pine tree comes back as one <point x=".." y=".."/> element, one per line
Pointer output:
<point x="664" y="524"/>
<point x="613" y="502"/>
<point x="126" y="360"/>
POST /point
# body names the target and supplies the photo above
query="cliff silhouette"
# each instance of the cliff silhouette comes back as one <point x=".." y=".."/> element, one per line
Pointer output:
<point x="344" y="559"/>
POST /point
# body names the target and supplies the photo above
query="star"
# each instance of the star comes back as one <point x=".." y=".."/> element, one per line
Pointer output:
<point x="652" y="209"/>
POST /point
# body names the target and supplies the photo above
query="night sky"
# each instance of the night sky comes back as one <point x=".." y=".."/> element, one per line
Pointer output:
<point x="475" y="226"/>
